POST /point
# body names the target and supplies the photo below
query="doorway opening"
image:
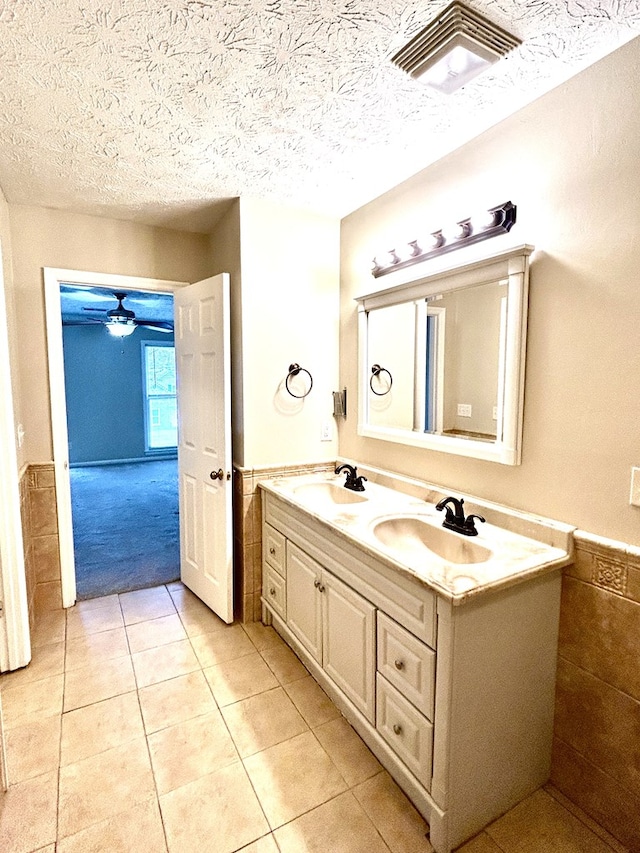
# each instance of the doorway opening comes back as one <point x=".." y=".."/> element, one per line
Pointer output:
<point x="102" y="286"/>
<point x="121" y="404"/>
<point x="203" y="357"/>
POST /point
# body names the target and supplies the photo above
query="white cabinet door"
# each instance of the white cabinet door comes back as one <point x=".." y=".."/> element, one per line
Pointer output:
<point x="335" y="625"/>
<point x="304" y="601"/>
<point x="348" y="653"/>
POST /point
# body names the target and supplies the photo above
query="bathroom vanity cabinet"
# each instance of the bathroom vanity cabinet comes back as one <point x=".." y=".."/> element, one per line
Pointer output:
<point x="455" y="697"/>
<point x="321" y="612"/>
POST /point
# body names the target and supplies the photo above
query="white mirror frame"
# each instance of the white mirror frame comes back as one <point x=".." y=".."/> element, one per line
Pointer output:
<point x="510" y="266"/>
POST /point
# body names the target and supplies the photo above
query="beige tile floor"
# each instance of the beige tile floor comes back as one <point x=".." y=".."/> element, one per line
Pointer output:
<point x="146" y="724"/>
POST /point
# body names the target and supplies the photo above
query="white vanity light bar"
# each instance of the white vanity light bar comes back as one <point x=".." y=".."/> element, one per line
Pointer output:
<point x="496" y="220"/>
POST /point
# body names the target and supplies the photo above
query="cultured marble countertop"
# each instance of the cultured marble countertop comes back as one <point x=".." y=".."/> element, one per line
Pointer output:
<point x="513" y="557"/>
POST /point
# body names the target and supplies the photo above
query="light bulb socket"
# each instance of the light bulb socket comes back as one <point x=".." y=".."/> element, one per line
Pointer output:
<point x="463" y="229"/>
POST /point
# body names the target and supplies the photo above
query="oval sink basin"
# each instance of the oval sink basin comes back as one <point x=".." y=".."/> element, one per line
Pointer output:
<point x="328" y="493"/>
<point x="413" y="536"/>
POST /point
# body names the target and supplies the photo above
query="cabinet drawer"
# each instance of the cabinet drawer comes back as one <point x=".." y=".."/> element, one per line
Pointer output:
<point x="407" y="732"/>
<point x="273" y="549"/>
<point x="274" y="591"/>
<point x="407" y="663"/>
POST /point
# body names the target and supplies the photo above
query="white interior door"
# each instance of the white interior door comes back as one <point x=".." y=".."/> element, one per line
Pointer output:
<point x="202" y="334"/>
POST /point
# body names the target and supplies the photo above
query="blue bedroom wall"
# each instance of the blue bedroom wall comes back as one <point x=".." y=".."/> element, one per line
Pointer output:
<point x="103" y="378"/>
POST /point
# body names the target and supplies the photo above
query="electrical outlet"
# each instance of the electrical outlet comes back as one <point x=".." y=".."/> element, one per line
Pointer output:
<point x="325" y="432"/>
<point x="634" y="496"/>
<point x="20" y="435"/>
<point x="464" y="410"/>
<point x="495" y="413"/>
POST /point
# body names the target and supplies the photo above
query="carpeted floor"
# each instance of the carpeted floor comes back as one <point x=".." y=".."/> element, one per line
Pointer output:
<point x="125" y="526"/>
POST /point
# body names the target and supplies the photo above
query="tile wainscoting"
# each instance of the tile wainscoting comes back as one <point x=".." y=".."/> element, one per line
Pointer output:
<point x="596" y="756"/>
<point x="247" y="533"/>
<point x="40" y="537"/>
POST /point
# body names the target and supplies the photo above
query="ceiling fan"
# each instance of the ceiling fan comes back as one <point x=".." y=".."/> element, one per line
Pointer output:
<point x="121" y="322"/>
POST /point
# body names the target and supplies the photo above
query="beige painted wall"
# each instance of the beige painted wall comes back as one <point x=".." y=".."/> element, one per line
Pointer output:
<point x="570" y="163"/>
<point x="290" y="313"/>
<point x="43" y="237"/>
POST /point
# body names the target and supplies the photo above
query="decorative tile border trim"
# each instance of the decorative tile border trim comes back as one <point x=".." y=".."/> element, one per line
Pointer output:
<point x="609" y="575"/>
<point x="607" y="564"/>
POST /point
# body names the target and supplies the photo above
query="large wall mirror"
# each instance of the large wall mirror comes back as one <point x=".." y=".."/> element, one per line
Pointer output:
<point x="441" y="359"/>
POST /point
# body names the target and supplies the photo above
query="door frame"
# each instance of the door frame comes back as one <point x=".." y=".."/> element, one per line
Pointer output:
<point x="15" y="643"/>
<point x="53" y="278"/>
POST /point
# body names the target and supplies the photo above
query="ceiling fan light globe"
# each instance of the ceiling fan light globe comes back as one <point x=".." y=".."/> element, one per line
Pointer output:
<point x="120" y="328"/>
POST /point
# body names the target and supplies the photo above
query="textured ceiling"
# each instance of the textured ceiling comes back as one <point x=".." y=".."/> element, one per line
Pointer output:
<point x="160" y="110"/>
<point x="89" y="305"/>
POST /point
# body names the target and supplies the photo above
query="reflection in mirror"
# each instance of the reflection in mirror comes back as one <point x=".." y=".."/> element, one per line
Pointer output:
<point x="392" y="337"/>
<point x="473" y="329"/>
<point x="444" y="356"/>
<point x="454" y="345"/>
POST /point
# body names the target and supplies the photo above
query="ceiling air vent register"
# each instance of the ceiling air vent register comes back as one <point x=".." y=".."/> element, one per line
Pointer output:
<point x="455" y="47"/>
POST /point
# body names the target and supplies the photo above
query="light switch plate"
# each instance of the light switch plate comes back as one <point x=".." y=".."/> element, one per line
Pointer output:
<point x="464" y="410"/>
<point x="634" y="497"/>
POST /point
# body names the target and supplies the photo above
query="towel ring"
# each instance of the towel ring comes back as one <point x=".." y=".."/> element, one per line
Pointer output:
<point x="376" y="370"/>
<point x="294" y="370"/>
